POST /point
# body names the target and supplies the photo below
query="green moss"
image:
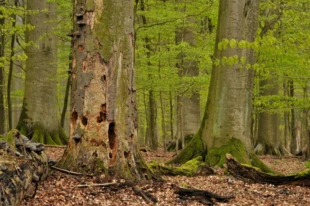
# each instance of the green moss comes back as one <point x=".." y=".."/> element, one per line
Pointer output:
<point x="100" y="165"/>
<point x="189" y="168"/>
<point x="303" y="173"/>
<point x="36" y="134"/>
<point x="55" y="137"/>
<point x="49" y="140"/>
<point x="63" y="137"/>
<point x="193" y="149"/>
<point x="217" y="156"/>
<point x="256" y="162"/>
<point x="9" y="137"/>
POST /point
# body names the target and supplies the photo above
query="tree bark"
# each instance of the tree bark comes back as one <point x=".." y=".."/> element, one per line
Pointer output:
<point x="39" y="117"/>
<point x="2" y="75"/>
<point x="229" y="105"/>
<point x="103" y="125"/>
<point x="23" y="163"/>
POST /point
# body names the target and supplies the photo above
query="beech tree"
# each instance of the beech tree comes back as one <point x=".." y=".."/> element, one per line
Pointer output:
<point x="103" y="127"/>
<point x="39" y="119"/>
<point x="226" y="125"/>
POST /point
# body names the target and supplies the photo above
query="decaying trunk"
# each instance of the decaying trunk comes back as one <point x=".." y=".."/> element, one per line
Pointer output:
<point x="103" y="125"/>
<point x="252" y="174"/>
<point x="22" y="164"/>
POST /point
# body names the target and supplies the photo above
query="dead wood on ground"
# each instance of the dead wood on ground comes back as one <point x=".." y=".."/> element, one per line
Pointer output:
<point x="253" y="174"/>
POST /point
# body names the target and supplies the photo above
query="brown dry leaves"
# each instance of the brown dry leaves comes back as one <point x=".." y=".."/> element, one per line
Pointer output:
<point x="60" y="189"/>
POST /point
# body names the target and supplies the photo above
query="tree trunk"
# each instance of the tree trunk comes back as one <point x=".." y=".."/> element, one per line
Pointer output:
<point x="2" y="75"/>
<point x="188" y="101"/>
<point x="229" y="105"/>
<point x="39" y="117"/>
<point x="103" y="135"/>
<point x="269" y="141"/>
<point x="228" y="113"/>
<point x="10" y="75"/>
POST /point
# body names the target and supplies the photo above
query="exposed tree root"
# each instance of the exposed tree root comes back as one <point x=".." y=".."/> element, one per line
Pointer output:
<point x="253" y="174"/>
<point x="192" y="167"/>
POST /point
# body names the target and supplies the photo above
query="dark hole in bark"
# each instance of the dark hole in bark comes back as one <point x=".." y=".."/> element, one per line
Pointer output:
<point x="111" y="134"/>
<point x="80" y="48"/>
<point x="104" y="78"/>
<point x="126" y="154"/>
<point x="84" y="121"/>
<point x="103" y="114"/>
<point x="110" y="155"/>
<point x="95" y="154"/>
<point x="74" y="117"/>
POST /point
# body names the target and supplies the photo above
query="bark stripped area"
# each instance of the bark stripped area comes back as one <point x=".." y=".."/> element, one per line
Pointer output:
<point x="103" y="111"/>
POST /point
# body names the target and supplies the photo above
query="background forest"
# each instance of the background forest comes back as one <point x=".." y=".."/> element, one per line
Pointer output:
<point x="174" y="45"/>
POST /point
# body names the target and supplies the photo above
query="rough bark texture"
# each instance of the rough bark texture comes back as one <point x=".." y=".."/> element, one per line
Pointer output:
<point x="22" y="164"/>
<point x="103" y="135"/>
<point x="39" y="117"/>
<point x="229" y="105"/>
<point x="254" y="175"/>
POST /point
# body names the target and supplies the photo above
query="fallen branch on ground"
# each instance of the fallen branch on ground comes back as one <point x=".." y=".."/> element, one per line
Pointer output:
<point x="203" y="196"/>
<point x="70" y="172"/>
<point x="253" y="174"/>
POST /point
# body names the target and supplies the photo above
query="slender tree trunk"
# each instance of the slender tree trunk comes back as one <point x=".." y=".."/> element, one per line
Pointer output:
<point x="152" y="125"/>
<point x="103" y="135"/>
<point x="10" y="75"/>
<point x="2" y="75"/>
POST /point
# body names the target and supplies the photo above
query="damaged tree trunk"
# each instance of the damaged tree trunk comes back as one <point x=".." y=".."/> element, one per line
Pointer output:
<point x="23" y="164"/>
<point x="252" y="174"/>
<point x="103" y="125"/>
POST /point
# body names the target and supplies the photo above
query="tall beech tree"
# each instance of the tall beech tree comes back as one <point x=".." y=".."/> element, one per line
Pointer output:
<point x="103" y="135"/>
<point x="226" y="125"/>
<point x="39" y="119"/>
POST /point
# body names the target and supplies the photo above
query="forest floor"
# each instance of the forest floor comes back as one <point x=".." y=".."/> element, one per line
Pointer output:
<point x="60" y="189"/>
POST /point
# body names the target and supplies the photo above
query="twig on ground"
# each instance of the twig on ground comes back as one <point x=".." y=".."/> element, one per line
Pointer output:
<point x="70" y="172"/>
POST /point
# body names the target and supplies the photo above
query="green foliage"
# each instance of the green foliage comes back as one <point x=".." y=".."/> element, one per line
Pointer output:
<point x="158" y="52"/>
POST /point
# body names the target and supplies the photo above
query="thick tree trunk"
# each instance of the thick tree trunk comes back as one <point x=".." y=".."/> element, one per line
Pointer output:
<point x="228" y="110"/>
<point x="229" y="105"/>
<point x="39" y="116"/>
<point x="103" y="136"/>
<point x="23" y="163"/>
